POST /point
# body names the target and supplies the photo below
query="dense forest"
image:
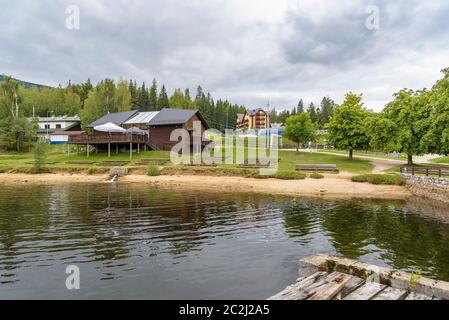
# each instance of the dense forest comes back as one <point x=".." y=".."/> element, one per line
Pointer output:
<point x="91" y="102"/>
<point x="320" y="116"/>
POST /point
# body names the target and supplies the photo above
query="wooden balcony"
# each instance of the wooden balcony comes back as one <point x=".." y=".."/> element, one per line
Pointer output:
<point x="106" y="138"/>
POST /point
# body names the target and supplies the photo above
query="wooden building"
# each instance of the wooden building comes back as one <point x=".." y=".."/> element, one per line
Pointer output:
<point x="144" y="129"/>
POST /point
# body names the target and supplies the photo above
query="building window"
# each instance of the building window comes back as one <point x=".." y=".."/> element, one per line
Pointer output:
<point x="58" y="126"/>
<point x="47" y="126"/>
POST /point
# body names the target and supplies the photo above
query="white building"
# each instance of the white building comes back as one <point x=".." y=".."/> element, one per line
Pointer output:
<point x="55" y="129"/>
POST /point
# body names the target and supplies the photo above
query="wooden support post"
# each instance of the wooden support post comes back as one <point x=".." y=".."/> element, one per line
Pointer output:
<point x="116" y="148"/>
<point x="109" y="150"/>
<point x="130" y="150"/>
<point x="87" y="148"/>
<point x="138" y="148"/>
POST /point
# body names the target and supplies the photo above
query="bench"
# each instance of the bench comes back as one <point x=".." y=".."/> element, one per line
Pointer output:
<point x="80" y="162"/>
<point x="113" y="163"/>
<point x="153" y="161"/>
<point x="317" y="167"/>
<point x="253" y="166"/>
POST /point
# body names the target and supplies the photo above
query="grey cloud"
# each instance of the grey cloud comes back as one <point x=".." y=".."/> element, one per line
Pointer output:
<point x="229" y="49"/>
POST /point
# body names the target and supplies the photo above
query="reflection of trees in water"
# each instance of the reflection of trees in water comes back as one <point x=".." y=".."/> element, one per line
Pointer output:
<point x="23" y="217"/>
<point x="406" y="241"/>
<point x="300" y="218"/>
<point x="110" y="222"/>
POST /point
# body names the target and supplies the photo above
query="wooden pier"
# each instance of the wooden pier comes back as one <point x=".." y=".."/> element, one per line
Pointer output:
<point x="324" y="277"/>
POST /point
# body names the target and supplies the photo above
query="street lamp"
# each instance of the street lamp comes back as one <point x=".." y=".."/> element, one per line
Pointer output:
<point x="47" y="125"/>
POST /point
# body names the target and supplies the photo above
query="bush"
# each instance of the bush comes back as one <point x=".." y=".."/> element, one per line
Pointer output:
<point x="386" y="179"/>
<point x="316" y="176"/>
<point x="153" y="171"/>
<point x="289" y="175"/>
<point x="40" y="156"/>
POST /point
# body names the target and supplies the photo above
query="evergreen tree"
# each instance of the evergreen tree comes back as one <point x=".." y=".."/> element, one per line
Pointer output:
<point x="312" y="112"/>
<point x="300" y="108"/>
<point x="326" y="111"/>
<point x="143" y="98"/>
<point x="162" y="101"/>
<point x="153" y="97"/>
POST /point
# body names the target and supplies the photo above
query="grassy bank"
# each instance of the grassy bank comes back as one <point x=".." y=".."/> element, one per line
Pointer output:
<point x="442" y="160"/>
<point x="58" y="160"/>
<point x="386" y="179"/>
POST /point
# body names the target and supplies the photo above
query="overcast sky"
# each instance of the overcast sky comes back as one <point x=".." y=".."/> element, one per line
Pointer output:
<point x="248" y="52"/>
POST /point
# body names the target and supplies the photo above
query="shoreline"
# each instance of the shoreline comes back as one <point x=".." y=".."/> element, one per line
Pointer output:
<point x="330" y="187"/>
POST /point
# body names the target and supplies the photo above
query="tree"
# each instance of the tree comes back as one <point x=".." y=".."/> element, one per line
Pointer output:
<point x="312" y="111"/>
<point x="436" y="139"/>
<point x="409" y="114"/>
<point x="9" y="98"/>
<point x="71" y="104"/>
<point x="143" y="99"/>
<point x="105" y="98"/>
<point x="347" y="126"/>
<point x="16" y="134"/>
<point x="326" y="111"/>
<point x="162" y="101"/>
<point x="122" y="97"/>
<point x="300" y="107"/>
<point x="153" y="96"/>
<point x="300" y="129"/>
<point x="40" y="155"/>
<point x="380" y="131"/>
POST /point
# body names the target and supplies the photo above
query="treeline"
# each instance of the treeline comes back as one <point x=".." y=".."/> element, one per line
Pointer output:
<point x="320" y="116"/>
<point x="91" y="102"/>
<point x="414" y="123"/>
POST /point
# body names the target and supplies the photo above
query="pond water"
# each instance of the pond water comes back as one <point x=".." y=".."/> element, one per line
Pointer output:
<point x="144" y="242"/>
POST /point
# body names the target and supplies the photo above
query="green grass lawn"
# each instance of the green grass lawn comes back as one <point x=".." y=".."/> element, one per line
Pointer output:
<point x="58" y="158"/>
<point x="366" y="154"/>
<point x="442" y="160"/>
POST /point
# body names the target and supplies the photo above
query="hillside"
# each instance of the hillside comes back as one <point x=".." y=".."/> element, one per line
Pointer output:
<point x="24" y="83"/>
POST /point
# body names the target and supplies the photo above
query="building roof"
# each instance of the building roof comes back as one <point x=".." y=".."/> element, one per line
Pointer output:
<point x="141" y="118"/>
<point x="174" y="116"/>
<point x="117" y="118"/>
<point x="57" y="119"/>
<point x="253" y="112"/>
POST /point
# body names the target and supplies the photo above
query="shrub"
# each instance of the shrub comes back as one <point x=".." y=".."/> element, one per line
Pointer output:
<point x="316" y="176"/>
<point x="289" y="175"/>
<point x="40" y="156"/>
<point x="386" y="179"/>
<point x="153" y="171"/>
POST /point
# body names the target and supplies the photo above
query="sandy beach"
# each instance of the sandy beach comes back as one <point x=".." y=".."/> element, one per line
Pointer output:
<point x="332" y="186"/>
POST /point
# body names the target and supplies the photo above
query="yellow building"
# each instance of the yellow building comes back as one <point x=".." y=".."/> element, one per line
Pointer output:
<point x="253" y="120"/>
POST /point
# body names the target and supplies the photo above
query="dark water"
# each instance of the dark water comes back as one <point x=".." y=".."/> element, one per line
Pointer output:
<point x="148" y="243"/>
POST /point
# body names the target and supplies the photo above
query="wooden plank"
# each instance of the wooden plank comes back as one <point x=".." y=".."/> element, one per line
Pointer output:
<point x="417" y="296"/>
<point x="296" y="291"/>
<point x="365" y="292"/>
<point x="391" y="294"/>
<point x="336" y="282"/>
<point x="350" y="286"/>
